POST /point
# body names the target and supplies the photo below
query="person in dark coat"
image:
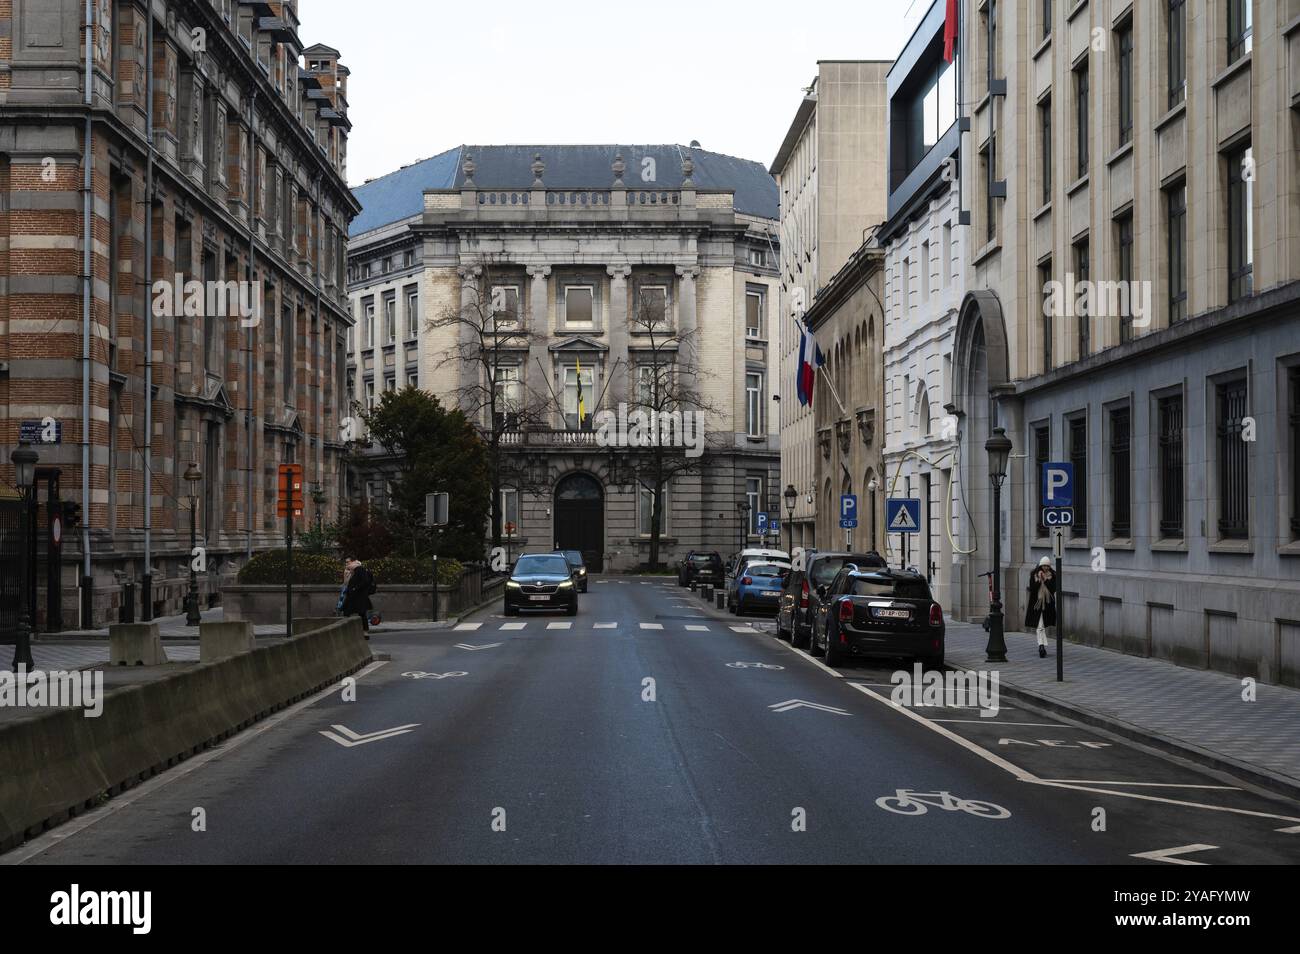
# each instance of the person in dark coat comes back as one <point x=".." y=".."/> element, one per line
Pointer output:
<point x="357" y="592"/>
<point x="1040" y="604"/>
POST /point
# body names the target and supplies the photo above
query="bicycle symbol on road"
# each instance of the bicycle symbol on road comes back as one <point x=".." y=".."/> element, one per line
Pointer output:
<point x="907" y="802"/>
<point x="433" y="675"/>
<point x="747" y="665"/>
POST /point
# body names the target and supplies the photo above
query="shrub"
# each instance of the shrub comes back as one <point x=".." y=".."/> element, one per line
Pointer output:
<point x="364" y="535"/>
<point x="308" y="568"/>
<point x="406" y="571"/>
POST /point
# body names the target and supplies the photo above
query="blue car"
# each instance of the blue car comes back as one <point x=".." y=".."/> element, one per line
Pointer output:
<point x="758" y="588"/>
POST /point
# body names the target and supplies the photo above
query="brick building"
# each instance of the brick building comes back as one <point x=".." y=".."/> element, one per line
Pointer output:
<point x="206" y="321"/>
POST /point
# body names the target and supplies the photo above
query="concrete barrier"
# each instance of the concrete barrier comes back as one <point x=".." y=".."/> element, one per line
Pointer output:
<point x="313" y="623"/>
<point x="58" y="763"/>
<point x="135" y="644"/>
<point x="222" y="640"/>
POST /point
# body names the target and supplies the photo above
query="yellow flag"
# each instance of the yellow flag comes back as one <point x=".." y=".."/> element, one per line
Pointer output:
<point x="582" y="405"/>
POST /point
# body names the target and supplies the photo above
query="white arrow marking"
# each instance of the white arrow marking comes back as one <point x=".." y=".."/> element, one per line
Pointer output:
<point x="473" y="648"/>
<point x="354" y="739"/>
<point x="797" y="703"/>
<point x="1167" y="854"/>
<point x="1293" y="830"/>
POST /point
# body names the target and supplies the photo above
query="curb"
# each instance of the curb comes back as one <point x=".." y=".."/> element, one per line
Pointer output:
<point x="1263" y="778"/>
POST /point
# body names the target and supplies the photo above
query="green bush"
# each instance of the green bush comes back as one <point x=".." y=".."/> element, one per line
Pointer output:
<point x="407" y="571"/>
<point x="308" y="569"/>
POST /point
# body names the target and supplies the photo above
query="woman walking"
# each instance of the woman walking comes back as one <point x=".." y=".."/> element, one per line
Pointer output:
<point x="356" y="593"/>
<point x="1040" y="608"/>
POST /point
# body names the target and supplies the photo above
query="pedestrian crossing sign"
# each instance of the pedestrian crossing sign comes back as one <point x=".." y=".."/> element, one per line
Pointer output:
<point x="903" y="515"/>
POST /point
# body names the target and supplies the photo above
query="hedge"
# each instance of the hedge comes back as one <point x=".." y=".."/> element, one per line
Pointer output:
<point x="397" y="571"/>
<point x="308" y="568"/>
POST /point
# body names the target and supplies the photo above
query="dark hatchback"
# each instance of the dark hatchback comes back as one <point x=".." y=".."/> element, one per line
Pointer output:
<point x="579" y="567"/>
<point x="702" y="567"/>
<point x="801" y="597"/>
<point x="879" y="613"/>
<point x="541" y="581"/>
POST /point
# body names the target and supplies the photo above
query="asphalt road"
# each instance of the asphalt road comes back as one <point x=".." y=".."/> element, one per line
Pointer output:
<point x="622" y="736"/>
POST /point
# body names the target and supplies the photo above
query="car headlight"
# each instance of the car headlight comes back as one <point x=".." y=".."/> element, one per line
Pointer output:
<point x="582" y="571"/>
<point x="512" y="585"/>
<point x="566" y="584"/>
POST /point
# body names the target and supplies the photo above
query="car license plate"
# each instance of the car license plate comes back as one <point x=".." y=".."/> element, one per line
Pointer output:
<point x="771" y="593"/>
<point x="539" y="599"/>
<point x="893" y="613"/>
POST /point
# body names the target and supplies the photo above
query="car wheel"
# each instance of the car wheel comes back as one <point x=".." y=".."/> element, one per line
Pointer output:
<point x="781" y="634"/>
<point x="834" y="655"/>
<point x="813" y="648"/>
<point x="797" y="641"/>
<point x="584" y="587"/>
<point x="573" y="609"/>
<point x="511" y="610"/>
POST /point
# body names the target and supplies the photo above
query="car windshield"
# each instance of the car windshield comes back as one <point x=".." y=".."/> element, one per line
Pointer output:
<point x="573" y="556"/>
<point x="764" y="570"/>
<point x="541" y="564"/>
<point x="824" y="570"/>
<point x="902" y="589"/>
<point x="704" y="557"/>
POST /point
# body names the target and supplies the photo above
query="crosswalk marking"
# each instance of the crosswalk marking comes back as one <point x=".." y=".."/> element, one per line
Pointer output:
<point x="652" y="625"/>
<point x="513" y="625"/>
<point x="743" y="629"/>
<point x="606" y="625"/>
<point x="468" y="626"/>
<point x="558" y="625"/>
<point x="569" y="624"/>
<point x="697" y="629"/>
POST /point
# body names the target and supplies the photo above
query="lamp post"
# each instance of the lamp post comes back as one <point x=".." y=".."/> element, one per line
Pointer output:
<point x="791" y="497"/>
<point x="871" y="488"/>
<point x="998" y="447"/>
<point x="24" y="461"/>
<point x="318" y="498"/>
<point x="744" y="509"/>
<point x="192" y="618"/>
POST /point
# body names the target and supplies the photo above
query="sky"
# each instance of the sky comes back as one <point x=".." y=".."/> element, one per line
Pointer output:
<point x="429" y="75"/>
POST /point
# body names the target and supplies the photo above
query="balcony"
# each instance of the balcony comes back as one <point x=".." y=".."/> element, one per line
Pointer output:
<point x="549" y="437"/>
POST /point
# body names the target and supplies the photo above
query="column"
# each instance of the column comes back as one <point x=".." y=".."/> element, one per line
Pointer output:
<point x="686" y="317"/>
<point x="618" y="332"/>
<point x="469" y="295"/>
<point x="539" y="333"/>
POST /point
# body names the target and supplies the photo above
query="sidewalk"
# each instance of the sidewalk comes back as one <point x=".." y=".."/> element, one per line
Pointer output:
<point x="174" y="628"/>
<point x="1194" y="713"/>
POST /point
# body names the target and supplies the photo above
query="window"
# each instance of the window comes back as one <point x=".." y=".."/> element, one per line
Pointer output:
<point x="1042" y="454"/>
<point x="1081" y="119"/>
<point x="653" y="307"/>
<point x="925" y="271"/>
<point x="1234" y="482"/>
<point x="1175" y="31"/>
<point x="574" y="389"/>
<point x="509" y="507"/>
<point x="412" y="313"/>
<point x="754" y="404"/>
<point x="508" y="387"/>
<point x="1176" y="245"/>
<point x="758" y="257"/>
<point x="388" y="265"/>
<point x="370" y="323"/>
<point x="1293" y="383"/>
<point x="1048" y="310"/>
<point x="992" y="22"/>
<point x="945" y="266"/>
<point x="370" y="395"/>
<point x="390" y="318"/>
<point x="1047" y="18"/>
<point x="1124" y="86"/>
<point x="645" y="514"/>
<point x="408" y="258"/>
<point x="1045" y="147"/>
<point x="579" y="304"/>
<point x="1082" y="268"/>
<point x="753" y="497"/>
<point x="1239" y="28"/>
<point x="1241" y="256"/>
<point x="365" y="270"/>
<point x="1124" y="263"/>
<point x="390" y="382"/>
<point x="412" y="379"/>
<point x="754" y="313"/>
<point x="988" y="161"/>
<point x="1169" y="410"/>
<point x="505" y="305"/>
<point x="1120" y="474"/>
<point x="1078" y="430"/>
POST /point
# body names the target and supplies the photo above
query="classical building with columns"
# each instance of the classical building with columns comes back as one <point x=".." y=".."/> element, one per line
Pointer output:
<point x="572" y="245"/>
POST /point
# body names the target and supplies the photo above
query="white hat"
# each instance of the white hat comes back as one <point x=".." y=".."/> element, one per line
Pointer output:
<point x="1045" y="561"/>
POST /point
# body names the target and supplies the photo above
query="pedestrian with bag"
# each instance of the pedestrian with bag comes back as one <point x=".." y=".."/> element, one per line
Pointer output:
<point x="1040" y="607"/>
<point x="358" y="589"/>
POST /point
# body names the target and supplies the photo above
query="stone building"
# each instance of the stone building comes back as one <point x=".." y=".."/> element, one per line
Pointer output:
<point x="172" y="253"/>
<point x="572" y="246"/>
<point x="830" y="169"/>
<point x="1153" y="149"/>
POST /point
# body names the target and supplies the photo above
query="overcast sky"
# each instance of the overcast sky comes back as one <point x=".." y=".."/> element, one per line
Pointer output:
<point x="428" y="75"/>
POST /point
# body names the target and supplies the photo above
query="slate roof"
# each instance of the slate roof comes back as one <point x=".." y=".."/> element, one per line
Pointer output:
<point x="400" y="195"/>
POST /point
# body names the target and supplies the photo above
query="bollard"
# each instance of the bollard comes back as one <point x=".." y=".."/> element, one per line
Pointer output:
<point x="720" y="600"/>
<point x="127" y="614"/>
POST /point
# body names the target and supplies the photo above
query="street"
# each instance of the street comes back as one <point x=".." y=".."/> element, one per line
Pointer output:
<point x="650" y="729"/>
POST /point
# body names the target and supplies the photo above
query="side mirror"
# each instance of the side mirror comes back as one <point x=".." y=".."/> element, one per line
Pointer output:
<point x="821" y="590"/>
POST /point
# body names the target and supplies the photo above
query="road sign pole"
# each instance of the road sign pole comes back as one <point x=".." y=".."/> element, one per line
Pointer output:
<point x="435" y="584"/>
<point x="1060" y="607"/>
<point x="288" y="576"/>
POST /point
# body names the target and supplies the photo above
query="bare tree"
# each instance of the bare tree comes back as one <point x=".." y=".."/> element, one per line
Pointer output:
<point x="491" y="340"/>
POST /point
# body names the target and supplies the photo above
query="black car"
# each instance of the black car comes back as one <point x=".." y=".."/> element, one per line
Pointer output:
<point x="579" y="567"/>
<point x="879" y="612"/>
<point x="541" y="581"/>
<point x="802" y="595"/>
<point x="702" y="567"/>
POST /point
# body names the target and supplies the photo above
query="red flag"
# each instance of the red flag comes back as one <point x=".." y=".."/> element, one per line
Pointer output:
<point x="950" y="31"/>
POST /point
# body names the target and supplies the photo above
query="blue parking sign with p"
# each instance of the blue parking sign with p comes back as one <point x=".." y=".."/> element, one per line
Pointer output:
<point x="1057" y="487"/>
<point x="848" y="511"/>
<point x="762" y="522"/>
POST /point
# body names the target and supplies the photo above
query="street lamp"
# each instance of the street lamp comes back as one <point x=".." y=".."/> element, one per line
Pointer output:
<point x="192" y="618"/>
<point x="871" y="488"/>
<point x="24" y="461"/>
<point x="791" y="497"/>
<point x="744" y="509"/>
<point x="998" y="447"/>
<point x="318" y="498"/>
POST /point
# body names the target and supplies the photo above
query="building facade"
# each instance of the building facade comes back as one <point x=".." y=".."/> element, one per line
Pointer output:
<point x="831" y="173"/>
<point x="560" y="253"/>
<point x="172" y="250"/>
<point x="1134" y="308"/>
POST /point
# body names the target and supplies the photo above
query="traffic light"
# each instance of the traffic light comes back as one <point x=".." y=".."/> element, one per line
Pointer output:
<point x="71" y="515"/>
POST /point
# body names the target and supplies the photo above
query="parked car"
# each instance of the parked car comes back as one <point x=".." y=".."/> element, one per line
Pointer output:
<point x="879" y="612"/>
<point x="748" y="558"/>
<point x="758" y="587"/>
<point x="541" y="581"/>
<point x="800" y="598"/>
<point x="579" y="567"/>
<point x="701" y="567"/>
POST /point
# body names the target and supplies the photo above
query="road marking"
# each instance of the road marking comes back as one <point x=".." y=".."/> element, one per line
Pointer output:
<point x="652" y="625"/>
<point x="791" y="704"/>
<point x="743" y="629"/>
<point x="558" y="625"/>
<point x="1035" y="725"/>
<point x="1168" y="854"/>
<point x="433" y="675"/>
<point x="354" y="739"/>
<point x="468" y="626"/>
<point x="696" y="629"/>
<point x="750" y="665"/>
<point x="475" y="648"/>
<point x="74" y="826"/>
<point x="605" y="626"/>
<point x="1293" y="830"/>
<point x="816" y="662"/>
<point x="1084" y="781"/>
<point x="513" y="626"/>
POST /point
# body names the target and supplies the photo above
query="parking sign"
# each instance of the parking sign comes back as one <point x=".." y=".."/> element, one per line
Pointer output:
<point x="761" y="524"/>
<point x="848" y="511"/>
<point x="1057" y="484"/>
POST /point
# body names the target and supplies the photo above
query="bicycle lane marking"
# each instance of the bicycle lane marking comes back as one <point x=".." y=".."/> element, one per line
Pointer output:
<point x="1024" y="775"/>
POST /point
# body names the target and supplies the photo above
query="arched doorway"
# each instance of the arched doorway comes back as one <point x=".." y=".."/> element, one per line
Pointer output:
<point x="580" y="518"/>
